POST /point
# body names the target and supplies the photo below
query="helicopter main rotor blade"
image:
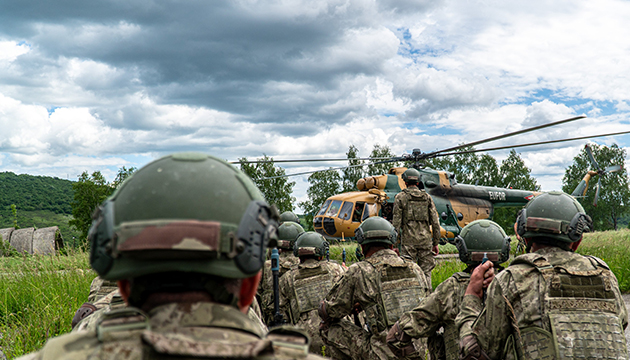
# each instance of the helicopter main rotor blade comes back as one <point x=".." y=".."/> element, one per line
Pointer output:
<point x="315" y="171"/>
<point x="303" y="160"/>
<point x="533" y="144"/>
<point x="498" y="137"/>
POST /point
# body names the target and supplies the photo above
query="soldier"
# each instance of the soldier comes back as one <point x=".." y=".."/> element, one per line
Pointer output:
<point x="304" y="286"/>
<point x="287" y="233"/>
<point x="384" y="286"/>
<point x="98" y="298"/>
<point x="478" y="239"/>
<point x="289" y="216"/>
<point x="185" y="238"/>
<point x="414" y="212"/>
<point x="548" y="304"/>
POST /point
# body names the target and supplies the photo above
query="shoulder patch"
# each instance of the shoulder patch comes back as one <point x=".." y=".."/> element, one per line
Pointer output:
<point x="461" y="276"/>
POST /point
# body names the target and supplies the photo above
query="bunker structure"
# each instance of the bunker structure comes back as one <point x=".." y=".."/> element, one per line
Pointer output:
<point x="45" y="241"/>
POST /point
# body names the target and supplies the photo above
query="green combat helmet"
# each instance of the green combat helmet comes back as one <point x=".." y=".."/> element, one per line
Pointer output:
<point x="554" y="216"/>
<point x="483" y="239"/>
<point x="187" y="212"/>
<point x="375" y="229"/>
<point x="288" y="232"/>
<point x="311" y="244"/>
<point x="289" y="216"/>
<point x="411" y="176"/>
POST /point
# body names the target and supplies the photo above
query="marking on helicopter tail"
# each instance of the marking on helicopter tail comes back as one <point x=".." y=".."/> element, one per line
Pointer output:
<point x="529" y="197"/>
<point x="497" y="195"/>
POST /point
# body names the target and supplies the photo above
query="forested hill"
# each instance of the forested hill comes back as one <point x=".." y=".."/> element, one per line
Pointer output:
<point x="30" y="193"/>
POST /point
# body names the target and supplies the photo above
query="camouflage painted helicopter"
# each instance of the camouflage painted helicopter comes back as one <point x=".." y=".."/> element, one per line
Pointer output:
<point x="457" y="204"/>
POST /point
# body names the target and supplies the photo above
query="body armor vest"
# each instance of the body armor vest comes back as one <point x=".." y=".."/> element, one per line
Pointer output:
<point x="417" y="207"/>
<point x="581" y="310"/>
<point x="310" y="286"/>
<point x="400" y="292"/>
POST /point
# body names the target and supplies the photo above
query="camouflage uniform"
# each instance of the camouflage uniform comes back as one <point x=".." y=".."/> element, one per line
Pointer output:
<point x="175" y="331"/>
<point x="100" y="288"/>
<point x="114" y="301"/>
<point x="301" y="290"/>
<point x="548" y="304"/>
<point x="384" y="286"/>
<point x="414" y="212"/>
<point x="265" y="289"/>
<point x="437" y="310"/>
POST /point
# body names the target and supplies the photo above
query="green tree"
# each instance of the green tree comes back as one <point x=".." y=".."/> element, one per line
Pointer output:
<point x="89" y="192"/>
<point x="352" y="174"/>
<point x="514" y="174"/>
<point x="323" y="184"/>
<point x="14" y="213"/>
<point x="381" y="151"/>
<point x="271" y="181"/>
<point x="614" y="195"/>
<point x="122" y="175"/>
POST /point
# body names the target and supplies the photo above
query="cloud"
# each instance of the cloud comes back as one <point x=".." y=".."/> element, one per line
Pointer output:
<point x="129" y="81"/>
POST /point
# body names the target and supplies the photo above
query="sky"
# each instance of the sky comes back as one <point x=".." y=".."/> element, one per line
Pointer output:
<point x="97" y="85"/>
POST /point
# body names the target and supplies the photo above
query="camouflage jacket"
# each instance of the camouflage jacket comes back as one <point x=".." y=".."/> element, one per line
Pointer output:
<point x="301" y="290"/>
<point x="100" y="288"/>
<point x="380" y="285"/>
<point x="176" y="331"/>
<point x="113" y="301"/>
<point x="437" y="310"/>
<point x="414" y="212"/>
<point x="265" y="289"/>
<point x="551" y="291"/>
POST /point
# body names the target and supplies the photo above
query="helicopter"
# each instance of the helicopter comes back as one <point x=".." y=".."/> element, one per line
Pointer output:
<point x="457" y="204"/>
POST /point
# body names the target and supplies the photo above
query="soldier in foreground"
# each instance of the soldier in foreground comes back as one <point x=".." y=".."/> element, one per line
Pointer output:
<point x="287" y="233"/>
<point x="479" y="239"/>
<point x="384" y="286"/>
<point x="185" y="238"/>
<point x="414" y="212"/>
<point x="548" y="304"/>
<point x="304" y="286"/>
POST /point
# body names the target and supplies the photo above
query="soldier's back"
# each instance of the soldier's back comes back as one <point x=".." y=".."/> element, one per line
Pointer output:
<point x="566" y="305"/>
<point x="176" y="331"/>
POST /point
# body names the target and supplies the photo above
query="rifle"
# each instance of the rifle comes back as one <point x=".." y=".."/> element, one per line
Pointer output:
<point x="275" y="271"/>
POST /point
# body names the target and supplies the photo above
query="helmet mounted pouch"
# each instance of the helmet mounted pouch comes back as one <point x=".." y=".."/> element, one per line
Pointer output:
<point x="258" y="225"/>
<point x="101" y="238"/>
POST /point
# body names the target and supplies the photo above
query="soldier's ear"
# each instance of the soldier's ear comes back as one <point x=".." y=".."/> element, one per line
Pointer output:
<point x="249" y="286"/>
<point x="124" y="286"/>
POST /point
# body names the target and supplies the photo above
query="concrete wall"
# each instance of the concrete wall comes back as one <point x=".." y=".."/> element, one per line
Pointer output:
<point x="41" y="241"/>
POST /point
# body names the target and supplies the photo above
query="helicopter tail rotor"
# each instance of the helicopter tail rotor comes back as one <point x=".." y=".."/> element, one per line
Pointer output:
<point x="601" y="172"/>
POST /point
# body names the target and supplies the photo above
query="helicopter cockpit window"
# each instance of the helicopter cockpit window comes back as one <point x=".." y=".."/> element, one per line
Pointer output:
<point x="358" y="211"/>
<point x="346" y="210"/>
<point x="334" y="208"/>
<point x="324" y="207"/>
<point x="369" y="210"/>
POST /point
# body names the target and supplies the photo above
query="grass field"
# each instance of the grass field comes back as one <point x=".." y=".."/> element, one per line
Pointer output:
<point x="40" y="294"/>
<point x="39" y="297"/>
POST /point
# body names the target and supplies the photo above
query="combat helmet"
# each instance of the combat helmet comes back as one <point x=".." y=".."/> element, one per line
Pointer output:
<point x="288" y="232"/>
<point x="483" y="238"/>
<point x="375" y="229"/>
<point x="186" y="212"/>
<point x="411" y="176"/>
<point x="289" y="216"/>
<point x="554" y="216"/>
<point x="311" y="243"/>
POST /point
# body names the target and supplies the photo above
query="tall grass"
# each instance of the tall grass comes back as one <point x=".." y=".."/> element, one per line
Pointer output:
<point x="614" y="248"/>
<point x="39" y="296"/>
